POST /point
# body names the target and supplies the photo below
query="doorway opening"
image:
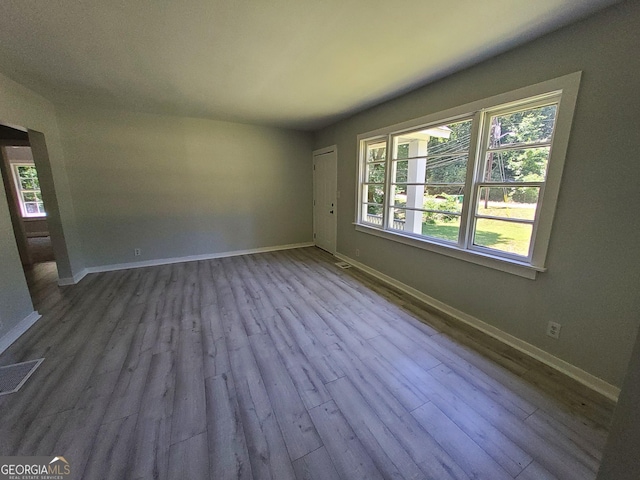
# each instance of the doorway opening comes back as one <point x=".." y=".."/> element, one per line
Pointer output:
<point x="27" y="208"/>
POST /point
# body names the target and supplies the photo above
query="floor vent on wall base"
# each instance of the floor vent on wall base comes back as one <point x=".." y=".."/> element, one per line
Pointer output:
<point x="12" y="377"/>
<point x="343" y="265"/>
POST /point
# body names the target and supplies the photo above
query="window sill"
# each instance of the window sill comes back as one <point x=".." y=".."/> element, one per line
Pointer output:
<point x="34" y="218"/>
<point x="498" y="263"/>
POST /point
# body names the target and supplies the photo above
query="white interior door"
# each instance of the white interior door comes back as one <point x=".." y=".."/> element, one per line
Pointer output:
<point x="325" y="204"/>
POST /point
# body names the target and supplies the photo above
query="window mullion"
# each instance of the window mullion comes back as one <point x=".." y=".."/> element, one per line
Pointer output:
<point x="363" y="183"/>
<point x="536" y="222"/>
<point x="514" y="184"/>
<point x="470" y="189"/>
<point x="386" y="209"/>
<point x="361" y="180"/>
<point x="520" y="146"/>
<point x="480" y="165"/>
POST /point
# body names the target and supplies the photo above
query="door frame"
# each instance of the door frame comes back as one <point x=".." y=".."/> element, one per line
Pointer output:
<point x="315" y="153"/>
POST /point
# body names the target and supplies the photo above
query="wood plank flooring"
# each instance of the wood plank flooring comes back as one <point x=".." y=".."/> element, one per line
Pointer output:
<point x="283" y="366"/>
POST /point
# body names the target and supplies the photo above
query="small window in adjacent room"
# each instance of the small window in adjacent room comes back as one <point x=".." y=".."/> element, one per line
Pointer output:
<point x="478" y="182"/>
<point x="28" y="188"/>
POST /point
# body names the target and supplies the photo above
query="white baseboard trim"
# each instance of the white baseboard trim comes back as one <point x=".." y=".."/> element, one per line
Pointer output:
<point x="166" y="261"/>
<point x="594" y="383"/>
<point x="73" y="280"/>
<point x="18" y="329"/>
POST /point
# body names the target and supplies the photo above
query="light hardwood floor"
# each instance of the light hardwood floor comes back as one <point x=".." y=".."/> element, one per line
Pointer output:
<point x="281" y="366"/>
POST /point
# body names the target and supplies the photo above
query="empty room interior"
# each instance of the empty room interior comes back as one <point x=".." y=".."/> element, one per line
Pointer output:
<point x="320" y="239"/>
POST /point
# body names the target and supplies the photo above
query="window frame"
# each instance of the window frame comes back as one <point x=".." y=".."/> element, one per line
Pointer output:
<point x="472" y="140"/>
<point x="480" y="182"/>
<point x="365" y="162"/>
<point x="19" y="191"/>
<point x="564" y="90"/>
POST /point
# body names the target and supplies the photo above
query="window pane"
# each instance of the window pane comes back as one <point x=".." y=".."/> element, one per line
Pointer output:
<point x="399" y="195"/>
<point x="449" y="169"/>
<point x="526" y="126"/>
<point x="373" y="193"/>
<point x="375" y="172"/>
<point x="442" y="139"/>
<point x="376" y="152"/>
<point x="372" y="214"/>
<point x="524" y="165"/>
<point x="442" y="230"/>
<point x="504" y="236"/>
<point x="401" y="148"/>
<point x="29" y="196"/>
<point x="446" y="199"/>
<point x="398" y="219"/>
<point x="437" y="225"/>
<point x="29" y="184"/>
<point x="27" y="171"/>
<point x="509" y="202"/>
<point x="41" y="207"/>
<point x="31" y="207"/>
<point x="374" y="210"/>
<point x="374" y="219"/>
<point x="28" y="177"/>
<point x="401" y="171"/>
<point x="399" y="214"/>
<point x="457" y="139"/>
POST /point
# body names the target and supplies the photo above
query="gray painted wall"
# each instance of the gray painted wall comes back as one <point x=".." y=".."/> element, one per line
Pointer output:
<point x="176" y="186"/>
<point x="15" y="301"/>
<point x="621" y="459"/>
<point x="593" y="278"/>
<point x="19" y="231"/>
<point x="21" y="107"/>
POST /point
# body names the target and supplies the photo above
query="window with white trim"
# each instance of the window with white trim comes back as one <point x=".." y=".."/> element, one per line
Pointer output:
<point x="28" y="187"/>
<point x="474" y="179"/>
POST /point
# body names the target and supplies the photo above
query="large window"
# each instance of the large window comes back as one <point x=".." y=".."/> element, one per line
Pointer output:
<point x="28" y="188"/>
<point x="478" y="182"/>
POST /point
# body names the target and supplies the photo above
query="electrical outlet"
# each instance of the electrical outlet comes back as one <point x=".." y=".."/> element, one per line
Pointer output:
<point x="357" y="252"/>
<point x="137" y="252"/>
<point x="553" y="330"/>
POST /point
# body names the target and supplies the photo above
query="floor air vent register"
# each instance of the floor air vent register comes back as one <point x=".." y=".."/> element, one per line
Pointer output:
<point x="13" y="377"/>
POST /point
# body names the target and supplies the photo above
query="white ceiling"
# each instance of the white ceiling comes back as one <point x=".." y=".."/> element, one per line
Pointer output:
<point x="293" y="63"/>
